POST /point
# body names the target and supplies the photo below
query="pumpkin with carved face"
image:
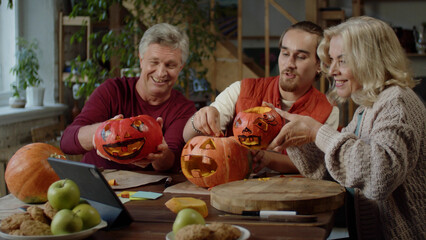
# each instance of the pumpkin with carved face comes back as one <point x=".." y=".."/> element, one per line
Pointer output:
<point x="126" y="140"/>
<point x="210" y="161"/>
<point x="256" y="127"/>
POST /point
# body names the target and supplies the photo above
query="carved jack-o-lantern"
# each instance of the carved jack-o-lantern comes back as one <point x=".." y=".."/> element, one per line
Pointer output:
<point x="128" y="140"/>
<point x="256" y="127"/>
<point x="209" y="161"/>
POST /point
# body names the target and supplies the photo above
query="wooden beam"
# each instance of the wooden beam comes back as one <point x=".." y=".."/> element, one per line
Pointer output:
<point x="311" y="10"/>
<point x="267" y="38"/>
<point x="240" y="39"/>
<point x="351" y="110"/>
<point x="76" y="21"/>
<point x="114" y="25"/>
<point x="212" y="68"/>
<point x="283" y="11"/>
<point x="61" y="58"/>
<point x="357" y="6"/>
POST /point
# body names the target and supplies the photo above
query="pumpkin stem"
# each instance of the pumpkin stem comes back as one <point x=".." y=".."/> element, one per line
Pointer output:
<point x="55" y="155"/>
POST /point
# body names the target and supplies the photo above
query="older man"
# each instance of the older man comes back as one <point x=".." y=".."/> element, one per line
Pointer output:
<point x="291" y="91"/>
<point x="163" y="51"/>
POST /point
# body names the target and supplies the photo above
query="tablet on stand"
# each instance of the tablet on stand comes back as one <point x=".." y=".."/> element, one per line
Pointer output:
<point x="95" y="189"/>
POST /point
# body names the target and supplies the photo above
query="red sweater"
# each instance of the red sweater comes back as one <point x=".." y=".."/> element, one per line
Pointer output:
<point x="119" y="96"/>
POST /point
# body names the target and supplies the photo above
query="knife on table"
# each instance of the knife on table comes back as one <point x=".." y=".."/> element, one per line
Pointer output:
<point x="272" y="216"/>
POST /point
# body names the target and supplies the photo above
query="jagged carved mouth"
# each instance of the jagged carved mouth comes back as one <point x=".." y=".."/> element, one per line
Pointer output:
<point x="199" y="166"/>
<point x="126" y="149"/>
<point x="250" y="140"/>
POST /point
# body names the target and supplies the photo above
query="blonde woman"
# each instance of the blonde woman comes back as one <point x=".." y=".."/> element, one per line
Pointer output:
<point x="381" y="154"/>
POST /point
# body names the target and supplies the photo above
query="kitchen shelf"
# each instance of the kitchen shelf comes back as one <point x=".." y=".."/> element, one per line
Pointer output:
<point x="74" y="79"/>
<point x="67" y="21"/>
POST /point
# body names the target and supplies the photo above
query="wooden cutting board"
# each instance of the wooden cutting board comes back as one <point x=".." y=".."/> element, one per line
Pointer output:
<point x="306" y="196"/>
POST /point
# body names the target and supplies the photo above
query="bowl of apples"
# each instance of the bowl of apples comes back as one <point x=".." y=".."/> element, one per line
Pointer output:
<point x="64" y="216"/>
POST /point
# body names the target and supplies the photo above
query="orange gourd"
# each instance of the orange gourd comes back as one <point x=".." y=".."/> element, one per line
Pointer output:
<point x="210" y="161"/>
<point x="28" y="174"/>
<point x="255" y="128"/>
<point x="126" y="140"/>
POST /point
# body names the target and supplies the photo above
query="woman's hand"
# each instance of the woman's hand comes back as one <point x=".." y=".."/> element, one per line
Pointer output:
<point x="297" y="131"/>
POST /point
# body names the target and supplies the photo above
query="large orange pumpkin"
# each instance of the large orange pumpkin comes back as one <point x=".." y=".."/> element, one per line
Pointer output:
<point x="28" y="174"/>
<point x="126" y="140"/>
<point x="256" y="127"/>
<point x="210" y="161"/>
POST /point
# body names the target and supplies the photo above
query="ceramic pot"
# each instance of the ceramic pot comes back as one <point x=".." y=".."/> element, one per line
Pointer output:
<point x="17" y="102"/>
<point x="35" y="96"/>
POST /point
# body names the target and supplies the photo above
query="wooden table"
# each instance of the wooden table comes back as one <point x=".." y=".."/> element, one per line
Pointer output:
<point x="153" y="220"/>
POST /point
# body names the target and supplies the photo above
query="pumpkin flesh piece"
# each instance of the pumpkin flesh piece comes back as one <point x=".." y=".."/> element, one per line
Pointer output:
<point x="260" y="110"/>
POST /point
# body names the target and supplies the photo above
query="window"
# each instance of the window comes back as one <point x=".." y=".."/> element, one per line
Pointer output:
<point x="8" y="30"/>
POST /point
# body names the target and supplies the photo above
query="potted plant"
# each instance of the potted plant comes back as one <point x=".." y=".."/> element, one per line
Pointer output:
<point x="26" y="70"/>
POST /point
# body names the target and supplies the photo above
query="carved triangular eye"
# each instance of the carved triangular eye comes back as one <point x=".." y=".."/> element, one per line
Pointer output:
<point x="238" y="122"/>
<point x="190" y="145"/>
<point x="208" y="145"/>
<point x="106" y="132"/>
<point x="126" y="135"/>
<point x="270" y="119"/>
<point x="261" y="124"/>
<point x="139" y="125"/>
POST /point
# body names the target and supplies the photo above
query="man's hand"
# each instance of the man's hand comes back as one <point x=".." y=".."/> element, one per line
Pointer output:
<point x="272" y="160"/>
<point x="260" y="160"/>
<point x="297" y="131"/>
<point x="207" y="120"/>
<point x="94" y="132"/>
<point x="161" y="160"/>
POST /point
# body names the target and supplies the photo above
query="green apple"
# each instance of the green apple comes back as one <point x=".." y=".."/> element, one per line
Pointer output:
<point x="88" y="214"/>
<point x="82" y="200"/>
<point x="63" y="194"/>
<point x="66" y="221"/>
<point x="187" y="216"/>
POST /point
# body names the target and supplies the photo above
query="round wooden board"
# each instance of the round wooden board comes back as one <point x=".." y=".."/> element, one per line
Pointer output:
<point x="306" y="196"/>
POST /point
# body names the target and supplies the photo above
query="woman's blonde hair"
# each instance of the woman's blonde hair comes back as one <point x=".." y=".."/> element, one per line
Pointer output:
<point x="373" y="53"/>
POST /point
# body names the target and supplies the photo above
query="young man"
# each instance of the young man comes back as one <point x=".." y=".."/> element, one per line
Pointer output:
<point x="163" y="51"/>
<point x="291" y="91"/>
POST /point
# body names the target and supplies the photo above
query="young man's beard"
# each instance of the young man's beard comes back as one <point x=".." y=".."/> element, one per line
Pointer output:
<point x="288" y="85"/>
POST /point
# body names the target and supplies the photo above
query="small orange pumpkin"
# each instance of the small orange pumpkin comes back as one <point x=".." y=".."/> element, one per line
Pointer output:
<point x="28" y="174"/>
<point x="210" y="161"/>
<point x="126" y="140"/>
<point x="256" y="127"/>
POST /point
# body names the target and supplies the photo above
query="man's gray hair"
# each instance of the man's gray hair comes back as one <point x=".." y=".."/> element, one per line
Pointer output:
<point x="166" y="35"/>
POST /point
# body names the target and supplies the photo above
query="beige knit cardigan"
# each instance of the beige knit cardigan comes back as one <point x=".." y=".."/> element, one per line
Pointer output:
<point x="385" y="164"/>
